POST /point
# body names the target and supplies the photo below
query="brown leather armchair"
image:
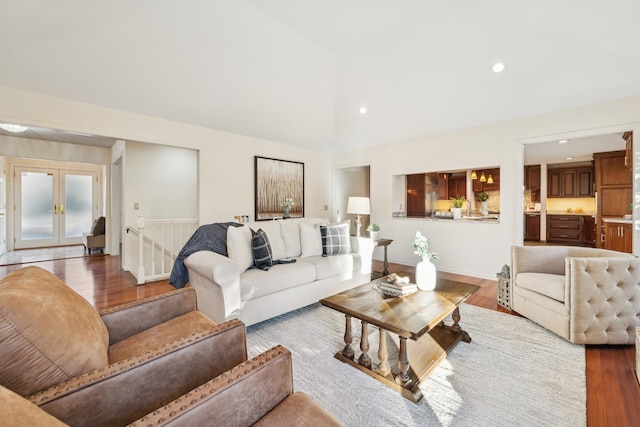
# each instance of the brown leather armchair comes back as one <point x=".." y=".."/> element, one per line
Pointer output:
<point x="109" y="368"/>
<point x="258" y="392"/>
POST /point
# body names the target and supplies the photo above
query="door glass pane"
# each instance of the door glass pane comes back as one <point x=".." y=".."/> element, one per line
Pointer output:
<point x="37" y="205"/>
<point x="77" y="205"/>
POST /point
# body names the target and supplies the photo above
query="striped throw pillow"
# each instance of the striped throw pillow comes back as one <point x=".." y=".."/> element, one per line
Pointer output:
<point x="335" y="239"/>
<point x="261" y="248"/>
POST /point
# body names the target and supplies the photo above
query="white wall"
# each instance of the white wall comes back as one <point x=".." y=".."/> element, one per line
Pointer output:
<point x="469" y="248"/>
<point x="226" y="160"/>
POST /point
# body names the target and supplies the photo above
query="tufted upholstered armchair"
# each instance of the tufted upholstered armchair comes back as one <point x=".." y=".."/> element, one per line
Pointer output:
<point x="585" y="295"/>
<point x="109" y="368"/>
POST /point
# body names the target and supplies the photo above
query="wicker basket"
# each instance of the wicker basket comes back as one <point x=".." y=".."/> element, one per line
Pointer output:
<point x="504" y="291"/>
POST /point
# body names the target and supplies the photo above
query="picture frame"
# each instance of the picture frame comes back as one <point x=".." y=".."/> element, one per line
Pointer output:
<point x="275" y="181"/>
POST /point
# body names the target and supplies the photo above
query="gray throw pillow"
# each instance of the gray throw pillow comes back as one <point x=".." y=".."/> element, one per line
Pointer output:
<point x="335" y="239"/>
<point x="261" y="248"/>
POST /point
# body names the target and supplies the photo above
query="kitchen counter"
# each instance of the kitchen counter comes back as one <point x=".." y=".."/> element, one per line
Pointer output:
<point x="571" y="213"/>
<point x="618" y="220"/>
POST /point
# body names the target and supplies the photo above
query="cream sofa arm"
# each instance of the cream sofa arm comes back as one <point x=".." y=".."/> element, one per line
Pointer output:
<point x="363" y="246"/>
<point x="604" y="299"/>
<point x="216" y="280"/>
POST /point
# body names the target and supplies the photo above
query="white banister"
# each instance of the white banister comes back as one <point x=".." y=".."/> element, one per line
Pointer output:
<point x="158" y="243"/>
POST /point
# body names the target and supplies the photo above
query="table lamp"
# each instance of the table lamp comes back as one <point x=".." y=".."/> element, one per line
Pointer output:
<point x="358" y="206"/>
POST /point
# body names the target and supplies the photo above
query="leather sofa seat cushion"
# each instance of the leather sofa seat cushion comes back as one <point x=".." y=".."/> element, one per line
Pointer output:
<point x="550" y="285"/>
<point x="18" y="411"/>
<point x="160" y="335"/>
<point x="334" y="265"/>
<point x="256" y="282"/>
<point x="297" y="409"/>
<point x="48" y="333"/>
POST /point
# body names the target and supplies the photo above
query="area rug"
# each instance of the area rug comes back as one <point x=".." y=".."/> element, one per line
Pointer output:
<point x="513" y="373"/>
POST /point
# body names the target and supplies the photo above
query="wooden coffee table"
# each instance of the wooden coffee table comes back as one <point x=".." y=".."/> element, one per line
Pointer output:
<point x="418" y="340"/>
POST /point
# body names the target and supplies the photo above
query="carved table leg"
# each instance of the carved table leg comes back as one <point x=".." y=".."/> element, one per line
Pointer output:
<point x="385" y="271"/>
<point x="364" y="359"/>
<point x="455" y="316"/>
<point x="383" y="367"/>
<point x="403" y="363"/>
<point x="348" y="339"/>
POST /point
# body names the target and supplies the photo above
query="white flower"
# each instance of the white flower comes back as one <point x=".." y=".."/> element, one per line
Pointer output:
<point x="288" y="203"/>
<point x="421" y="246"/>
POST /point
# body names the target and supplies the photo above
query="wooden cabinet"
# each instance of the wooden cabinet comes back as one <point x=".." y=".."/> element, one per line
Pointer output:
<point x="628" y="151"/>
<point x="618" y="236"/>
<point x="532" y="226"/>
<point x="532" y="181"/>
<point x="415" y="195"/>
<point x="479" y="186"/>
<point x="614" y="187"/>
<point x="570" y="182"/>
<point x="457" y="186"/>
<point x="564" y="228"/>
<point x="578" y="230"/>
<point x="589" y="230"/>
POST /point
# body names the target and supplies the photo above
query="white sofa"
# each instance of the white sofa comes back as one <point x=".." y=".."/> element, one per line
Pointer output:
<point x="585" y="295"/>
<point x="228" y="287"/>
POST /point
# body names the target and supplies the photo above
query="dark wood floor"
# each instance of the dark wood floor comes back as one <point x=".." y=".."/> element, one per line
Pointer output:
<point x="613" y="394"/>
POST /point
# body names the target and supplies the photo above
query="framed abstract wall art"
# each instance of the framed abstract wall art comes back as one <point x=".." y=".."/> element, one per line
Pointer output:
<point x="279" y="189"/>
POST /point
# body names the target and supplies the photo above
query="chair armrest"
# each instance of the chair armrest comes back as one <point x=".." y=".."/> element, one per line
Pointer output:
<point x="125" y="391"/>
<point x="216" y="280"/>
<point x="604" y="299"/>
<point x="129" y="319"/>
<point x="239" y="397"/>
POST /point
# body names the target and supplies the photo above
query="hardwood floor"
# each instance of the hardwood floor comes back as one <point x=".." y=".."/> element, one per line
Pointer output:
<point x="613" y="394"/>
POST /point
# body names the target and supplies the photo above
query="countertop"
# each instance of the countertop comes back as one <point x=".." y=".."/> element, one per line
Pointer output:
<point x="618" y="220"/>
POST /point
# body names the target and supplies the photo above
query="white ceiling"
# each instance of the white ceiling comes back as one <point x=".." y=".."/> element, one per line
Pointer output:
<point x="296" y="71"/>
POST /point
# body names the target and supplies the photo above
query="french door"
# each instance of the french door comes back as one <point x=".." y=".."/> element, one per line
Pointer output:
<point x="53" y="206"/>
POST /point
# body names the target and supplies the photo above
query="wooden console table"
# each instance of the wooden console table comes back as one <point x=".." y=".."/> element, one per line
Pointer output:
<point x="384" y="243"/>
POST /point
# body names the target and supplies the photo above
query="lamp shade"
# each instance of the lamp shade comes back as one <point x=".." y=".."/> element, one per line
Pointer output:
<point x="358" y="205"/>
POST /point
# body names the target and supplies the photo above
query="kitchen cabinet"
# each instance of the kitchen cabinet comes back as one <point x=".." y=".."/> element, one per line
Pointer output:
<point x="589" y="230"/>
<point x="457" y="186"/>
<point x="628" y="151"/>
<point x="479" y="186"/>
<point x="570" y="182"/>
<point x="614" y="187"/>
<point x="532" y="181"/>
<point x="564" y="228"/>
<point x="416" y="195"/>
<point x="532" y="226"/>
<point x="618" y="236"/>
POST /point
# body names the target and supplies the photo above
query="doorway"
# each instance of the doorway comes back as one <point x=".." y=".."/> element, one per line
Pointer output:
<point x="54" y="206"/>
<point x="349" y="182"/>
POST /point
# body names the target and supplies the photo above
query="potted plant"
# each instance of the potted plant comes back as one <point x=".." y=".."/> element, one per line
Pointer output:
<point x="373" y="229"/>
<point x="425" y="270"/>
<point x="457" y="203"/>
<point x="483" y="197"/>
<point x="287" y="205"/>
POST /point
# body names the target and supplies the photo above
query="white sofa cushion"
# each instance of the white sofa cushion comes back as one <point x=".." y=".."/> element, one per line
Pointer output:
<point x="550" y="285"/>
<point x="239" y="246"/>
<point x="310" y="240"/>
<point x="334" y="265"/>
<point x="290" y="231"/>
<point x="255" y="283"/>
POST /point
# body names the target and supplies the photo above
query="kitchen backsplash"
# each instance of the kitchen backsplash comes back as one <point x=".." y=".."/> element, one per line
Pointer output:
<point x="585" y="205"/>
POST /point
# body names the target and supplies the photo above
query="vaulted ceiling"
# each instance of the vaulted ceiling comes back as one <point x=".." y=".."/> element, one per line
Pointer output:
<point x="297" y="71"/>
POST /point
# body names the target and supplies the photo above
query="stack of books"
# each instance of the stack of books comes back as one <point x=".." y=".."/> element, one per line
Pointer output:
<point x="398" y="288"/>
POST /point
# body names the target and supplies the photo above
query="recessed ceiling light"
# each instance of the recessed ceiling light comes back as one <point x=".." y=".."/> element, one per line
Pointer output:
<point x="498" y="67"/>
<point x="568" y="158"/>
<point x="13" y="128"/>
<point x="563" y="141"/>
<point x="363" y="110"/>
